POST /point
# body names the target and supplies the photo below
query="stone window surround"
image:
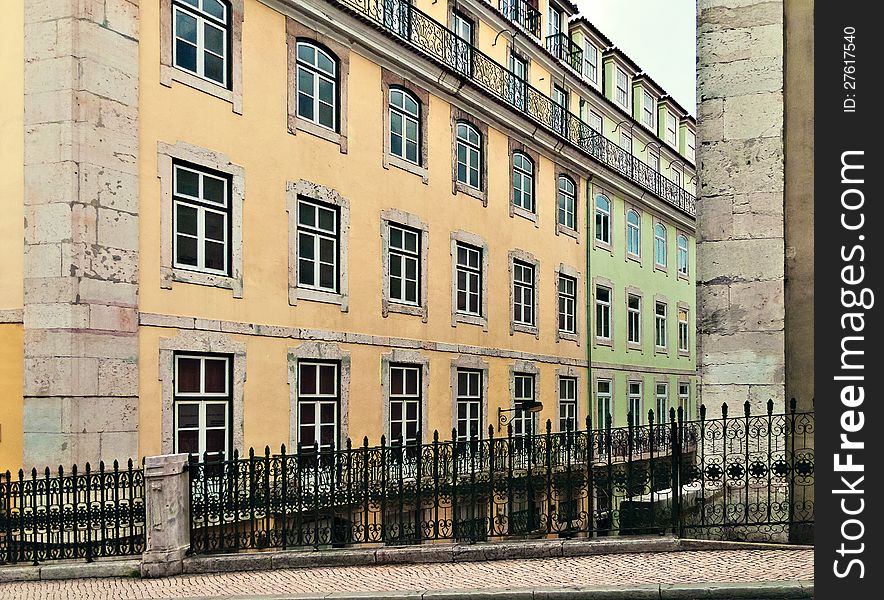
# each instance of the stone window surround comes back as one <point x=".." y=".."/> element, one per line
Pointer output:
<point x="204" y="342"/>
<point x="607" y="246"/>
<point x="663" y="350"/>
<point x="294" y="31"/>
<point x="471" y="239"/>
<point x="662" y="268"/>
<point x="170" y="73"/>
<point x="661" y="379"/>
<point x="682" y="276"/>
<point x="328" y="351"/>
<point x="525" y="257"/>
<point x="399" y="217"/>
<point x="641" y="385"/>
<point x="687" y="308"/>
<point x="390" y="80"/>
<point x="320" y="193"/>
<point x="627" y="206"/>
<point x="609" y="376"/>
<point x="513" y="147"/>
<point x="406" y="357"/>
<point x="692" y="397"/>
<point x="166" y="155"/>
<point x="634" y="291"/>
<point x="523" y="367"/>
<point x="568" y="271"/>
<point x="468" y="361"/>
<point x="457" y="186"/>
<point x="605" y="283"/>
<point x="573" y="373"/>
<point x="562" y="229"/>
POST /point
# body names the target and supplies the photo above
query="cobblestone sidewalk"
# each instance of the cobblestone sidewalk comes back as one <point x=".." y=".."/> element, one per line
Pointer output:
<point x="686" y="567"/>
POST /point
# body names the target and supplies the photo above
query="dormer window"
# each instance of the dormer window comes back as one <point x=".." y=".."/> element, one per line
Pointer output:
<point x="590" y="62"/>
<point x="648" y="110"/>
<point x="671" y="130"/>
<point x="622" y="91"/>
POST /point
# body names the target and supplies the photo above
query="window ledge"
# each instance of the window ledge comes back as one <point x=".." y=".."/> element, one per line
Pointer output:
<point x="634" y="257"/>
<point x="661" y="351"/>
<point x="606" y="246"/>
<point x="684" y="353"/>
<point x="524" y="213"/>
<point x="391" y="160"/>
<point x="565" y="230"/>
<point x="296" y="294"/>
<point x="683" y="276"/>
<point x="634" y="346"/>
<point x="390" y="306"/>
<point x="298" y="124"/>
<point x="661" y="268"/>
<point x="469" y="320"/>
<point x="608" y="342"/>
<point x="168" y="74"/>
<point x="523" y="328"/>
<point x="469" y="190"/>
<point x="180" y="275"/>
<point x="569" y="337"/>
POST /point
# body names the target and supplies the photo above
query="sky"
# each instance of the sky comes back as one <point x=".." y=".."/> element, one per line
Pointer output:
<point x="659" y="35"/>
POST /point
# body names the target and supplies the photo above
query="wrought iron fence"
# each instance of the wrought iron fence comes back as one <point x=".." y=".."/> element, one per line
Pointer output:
<point x="435" y="41"/>
<point x="67" y="515"/>
<point x="682" y="477"/>
<point x="522" y="13"/>
<point x="561" y="46"/>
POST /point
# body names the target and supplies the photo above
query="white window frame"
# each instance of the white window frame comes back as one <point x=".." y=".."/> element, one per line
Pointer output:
<point x="470" y="399"/>
<point x="676" y="177"/>
<point x="633" y="320"/>
<point x="634" y="401"/>
<point x="526" y="177"/>
<point x="626" y="142"/>
<point x="470" y="149"/>
<point x="318" y="234"/>
<point x="406" y="116"/>
<point x="524" y="391"/>
<point x="603" y="402"/>
<point x="690" y="145"/>
<point x="603" y="220"/>
<point x="406" y="398"/>
<point x="603" y="313"/>
<point x="317" y="74"/>
<point x="596" y="122"/>
<point x="568" y="301"/>
<point x="660" y="250"/>
<point x="567" y="203"/>
<point x="684" y="399"/>
<point x="684" y="331"/>
<point x="671" y="130"/>
<point x="472" y="274"/>
<point x="524" y="293"/>
<point x="203" y="207"/>
<point x="633" y="234"/>
<point x="202" y="400"/>
<point x="648" y="109"/>
<point x="683" y="256"/>
<point x="590" y="66"/>
<point x="621" y="88"/>
<point x="654" y="161"/>
<point x="319" y="399"/>
<point x="660" y="319"/>
<point x="405" y="257"/>
<point x="568" y="404"/>
<point x="203" y="19"/>
<point x="661" y="402"/>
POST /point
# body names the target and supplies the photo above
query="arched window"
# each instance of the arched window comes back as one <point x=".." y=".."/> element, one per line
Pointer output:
<point x="567" y="202"/>
<point x="633" y="233"/>
<point x="201" y="31"/>
<point x="603" y="219"/>
<point x="682" y="255"/>
<point x="405" y="128"/>
<point x="469" y="155"/>
<point x="660" y="245"/>
<point x="523" y="181"/>
<point x="317" y="85"/>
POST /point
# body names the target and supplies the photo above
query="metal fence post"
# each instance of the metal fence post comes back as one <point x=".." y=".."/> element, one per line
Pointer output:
<point x="167" y="515"/>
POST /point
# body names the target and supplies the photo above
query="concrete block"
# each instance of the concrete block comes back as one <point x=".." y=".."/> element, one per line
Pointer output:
<point x="106" y="46"/>
<point x="486" y="594"/>
<point x="117" y="229"/>
<point x="48" y="223"/>
<point x="119" y="445"/>
<point x="100" y="414"/>
<point x="109" y="188"/>
<point x="228" y="562"/>
<point x="49" y="143"/>
<point x="167" y="515"/>
<point x="758" y="306"/>
<point x="27" y="573"/>
<point x="715" y="218"/>
<point x="740" y="261"/>
<point x="99" y="568"/>
<point x="50" y="74"/>
<point x="754" y="116"/>
<point x="42" y="449"/>
<point x="56" y="182"/>
<point x="43" y="415"/>
<point x="740" y="77"/>
<point x="297" y="559"/>
<point x="101" y="263"/>
<point x="84" y="223"/>
<point x="121" y="16"/>
<point x="49" y="107"/>
<point x="56" y="315"/>
<point x="434" y="553"/>
<point x="42" y="261"/>
<point x="113" y="318"/>
<point x="736" y="14"/>
<point x="118" y="377"/>
<point x="742" y="166"/>
<point x="61" y="376"/>
<point x="99" y="291"/>
<point x="108" y="82"/>
<point x="155" y="320"/>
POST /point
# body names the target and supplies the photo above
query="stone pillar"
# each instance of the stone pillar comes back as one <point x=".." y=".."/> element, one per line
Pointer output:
<point x="81" y="231"/>
<point x="740" y="235"/>
<point x="167" y="515"/>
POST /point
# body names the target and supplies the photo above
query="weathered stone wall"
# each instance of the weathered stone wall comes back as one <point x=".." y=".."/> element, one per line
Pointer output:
<point x="81" y="231"/>
<point x="740" y="156"/>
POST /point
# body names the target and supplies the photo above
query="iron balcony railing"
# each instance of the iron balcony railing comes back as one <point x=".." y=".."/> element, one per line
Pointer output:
<point x="561" y="46"/>
<point x="523" y="14"/>
<point x="437" y="42"/>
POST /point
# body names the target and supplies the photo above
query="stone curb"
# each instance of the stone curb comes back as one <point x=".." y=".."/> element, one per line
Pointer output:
<point x="129" y="567"/>
<point x="764" y="590"/>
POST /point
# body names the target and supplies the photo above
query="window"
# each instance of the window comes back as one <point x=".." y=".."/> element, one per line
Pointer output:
<point x="690" y="145"/>
<point x="201" y="220"/>
<point x="648" y="109"/>
<point x="317" y="85"/>
<point x="682" y="242"/>
<point x="554" y="20"/>
<point x="660" y="310"/>
<point x="567" y="202"/>
<point x="202" y="404"/>
<point x="404" y="265"/>
<point x="405" y="404"/>
<point x="318" y="245"/>
<point x="684" y="400"/>
<point x="622" y="91"/>
<point x="590" y="61"/>
<point x="518" y="80"/>
<point x="523" y="393"/>
<point x="683" y="332"/>
<point x="603" y="312"/>
<point x="567" y="304"/>
<point x="469" y="155"/>
<point x="654" y="161"/>
<point x="633" y="233"/>
<point x="463" y="40"/>
<point x="523" y="293"/>
<point x="633" y="319"/>
<point x="405" y="128"/>
<point x="660" y="245"/>
<point x="603" y="219"/>
<point x="202" y="29"/>
<point x="469" y="404"/>
<point x="626" y="142"/>
<point x="469" y="279"/>
<point x="671" y="130"/>
<point x="662" y="403"/>
<point x="603" y="402"/>
<point x="635" y="402"/>
<point x="676" y="177"/>
<point x="318" y="401"/>
<point x="568" y="404"/>
<point x="523" y="182"/>
<point x="596" y="122"/>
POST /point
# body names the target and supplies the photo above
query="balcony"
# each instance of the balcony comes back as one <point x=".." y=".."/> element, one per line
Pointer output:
<point x="561" y="46"/>
<point x="436" y="42"/>
<point x="523" y="14"/>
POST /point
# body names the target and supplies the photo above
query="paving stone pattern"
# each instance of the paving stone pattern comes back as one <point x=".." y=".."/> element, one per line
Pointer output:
<point x="687" y="567"/>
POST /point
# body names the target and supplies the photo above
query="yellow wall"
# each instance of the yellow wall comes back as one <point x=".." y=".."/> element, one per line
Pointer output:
<point x="258" y="141"/>
<point x="11" y="365"/>
<point x="11" y="154"/>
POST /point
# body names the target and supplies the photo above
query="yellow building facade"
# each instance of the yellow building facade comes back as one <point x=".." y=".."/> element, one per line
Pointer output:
<point x="288" y="225"/>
